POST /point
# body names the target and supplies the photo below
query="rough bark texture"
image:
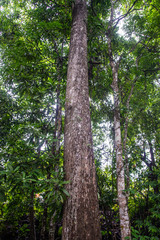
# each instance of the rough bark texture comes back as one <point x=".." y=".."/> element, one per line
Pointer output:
<point x="81" y="214"/>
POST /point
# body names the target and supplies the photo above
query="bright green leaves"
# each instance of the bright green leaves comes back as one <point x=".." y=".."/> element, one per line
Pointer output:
<point x="34" y="51"/>
<point x="34" y="45"/>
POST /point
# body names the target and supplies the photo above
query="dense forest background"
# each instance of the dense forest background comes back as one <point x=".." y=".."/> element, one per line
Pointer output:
<point x="34" y="45"/>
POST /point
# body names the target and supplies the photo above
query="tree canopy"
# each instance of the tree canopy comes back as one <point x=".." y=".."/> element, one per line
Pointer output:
<point x="34" y="45"/>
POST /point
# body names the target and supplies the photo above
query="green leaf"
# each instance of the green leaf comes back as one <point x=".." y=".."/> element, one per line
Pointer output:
<point x="66" y="193"/>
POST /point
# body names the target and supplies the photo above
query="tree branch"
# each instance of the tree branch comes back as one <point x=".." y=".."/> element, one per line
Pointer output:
<point x="123" y="16"/>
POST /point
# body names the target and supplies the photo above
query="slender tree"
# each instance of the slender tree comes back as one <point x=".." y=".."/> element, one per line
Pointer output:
<point x="122" y="198"/>
<point x="81" y="217"/>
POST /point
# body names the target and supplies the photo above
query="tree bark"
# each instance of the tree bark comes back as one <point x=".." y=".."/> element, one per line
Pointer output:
<point x="81" y="214"/>
<point x="122" y="198"/>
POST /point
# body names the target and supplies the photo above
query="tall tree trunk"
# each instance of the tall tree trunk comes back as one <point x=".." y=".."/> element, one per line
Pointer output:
<point x="81" y="214"/>
<point x="122" y="198"/>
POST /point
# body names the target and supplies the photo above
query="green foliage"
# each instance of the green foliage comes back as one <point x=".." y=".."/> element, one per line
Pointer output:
<point x="34" y="46"/>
